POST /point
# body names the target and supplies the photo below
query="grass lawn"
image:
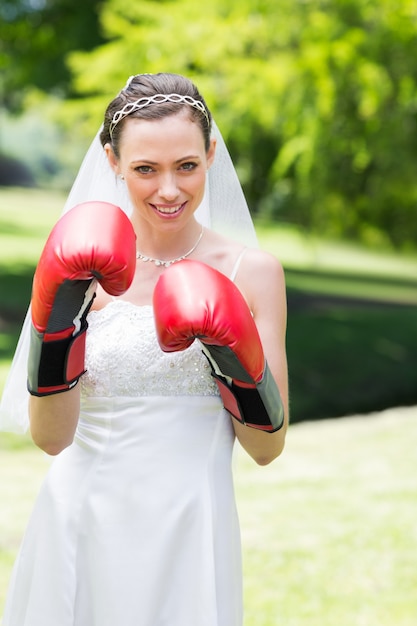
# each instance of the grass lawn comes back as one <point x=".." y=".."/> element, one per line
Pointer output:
<point x="302" y="252"/>
<point x="328" y="529"/>
<point x="26" y="217"/>
<point x="352" y="331"/>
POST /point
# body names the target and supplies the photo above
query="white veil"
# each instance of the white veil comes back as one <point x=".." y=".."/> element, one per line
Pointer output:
<point x="223" y="209"/>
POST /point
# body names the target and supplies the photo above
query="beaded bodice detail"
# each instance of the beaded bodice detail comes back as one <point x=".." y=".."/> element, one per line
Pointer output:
<point x="123" y="358"/>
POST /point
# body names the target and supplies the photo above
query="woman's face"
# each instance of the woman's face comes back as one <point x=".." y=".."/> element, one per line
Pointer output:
<point x="164" y="165"/>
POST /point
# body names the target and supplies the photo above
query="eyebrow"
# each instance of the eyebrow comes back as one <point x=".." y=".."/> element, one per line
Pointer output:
<point x="182" y="159"/>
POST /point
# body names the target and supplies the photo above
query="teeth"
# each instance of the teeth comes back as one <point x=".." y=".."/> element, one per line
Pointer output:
<point x="171" y="209"/>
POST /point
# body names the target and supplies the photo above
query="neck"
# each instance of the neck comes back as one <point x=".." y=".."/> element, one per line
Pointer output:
<point x="166" y="259"/>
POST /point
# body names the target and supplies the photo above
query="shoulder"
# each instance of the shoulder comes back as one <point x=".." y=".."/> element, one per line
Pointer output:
<point x="257" y="261"/>
<point x="261" y="279"/>
<point x="219" y="251"/>
<point x="259" y="267"/>
<point x="257" y="271"/>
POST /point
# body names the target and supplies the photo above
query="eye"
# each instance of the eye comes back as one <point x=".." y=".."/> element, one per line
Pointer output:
<point x="143" y="169"/>
<point x="188" y="166"/>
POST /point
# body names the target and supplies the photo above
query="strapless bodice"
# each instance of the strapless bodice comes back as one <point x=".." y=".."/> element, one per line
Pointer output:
<point x="123" y="357"/>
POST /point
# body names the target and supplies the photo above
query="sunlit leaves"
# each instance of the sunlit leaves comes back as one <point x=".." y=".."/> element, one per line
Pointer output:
<point x="316" y="98"/>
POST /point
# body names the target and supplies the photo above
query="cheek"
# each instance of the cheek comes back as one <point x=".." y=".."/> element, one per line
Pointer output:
<point x="139" y="188"/>
<point x="199" y="184"/>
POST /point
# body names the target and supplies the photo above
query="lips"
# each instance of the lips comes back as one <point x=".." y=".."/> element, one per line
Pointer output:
<point x="168" y="209"/>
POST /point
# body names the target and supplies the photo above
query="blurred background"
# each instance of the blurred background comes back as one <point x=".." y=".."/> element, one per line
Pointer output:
<point x="317" y="101"/>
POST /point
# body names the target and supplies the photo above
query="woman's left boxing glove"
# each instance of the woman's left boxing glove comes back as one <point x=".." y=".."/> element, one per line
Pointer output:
<point x="94" y="241"/>
<point x="194" y="301"/>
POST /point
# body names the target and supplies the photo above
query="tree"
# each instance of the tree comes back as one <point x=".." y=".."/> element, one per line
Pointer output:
<point x="317" y="98"/>
<point x="35" y="37"/>
<point x="349" y="153"/>
<point x="230" y="50"/>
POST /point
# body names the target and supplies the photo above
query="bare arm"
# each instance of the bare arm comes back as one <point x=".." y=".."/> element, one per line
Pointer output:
<point x="53" y="419"/>
<point x="261" y="279"/>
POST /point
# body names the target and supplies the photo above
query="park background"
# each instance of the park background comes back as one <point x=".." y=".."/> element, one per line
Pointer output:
<point x="317" y="101"/>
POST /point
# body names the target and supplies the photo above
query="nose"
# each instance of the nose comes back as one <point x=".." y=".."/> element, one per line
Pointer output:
<point x="168" y="187"/>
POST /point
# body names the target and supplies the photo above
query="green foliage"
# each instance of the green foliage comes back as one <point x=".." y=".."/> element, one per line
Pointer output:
<point x="356" y="103"/>
<point x="42" y="143"/>
<point x="344" y="355"/>
<point x="317" y="99"/>
<point x="35" y="36"/>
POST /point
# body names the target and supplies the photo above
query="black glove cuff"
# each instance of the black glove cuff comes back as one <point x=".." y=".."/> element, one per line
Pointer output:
<point x="55" y="366"/>
<point x="259" y="406"/>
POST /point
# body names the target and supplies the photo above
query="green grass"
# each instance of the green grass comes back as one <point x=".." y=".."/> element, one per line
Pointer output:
<point x="328" y="529"/>
<point x="26" y="217"/>
<point x="341" y="269"/>
<point x="21" y="469"/>
<point x="301" y="251"/>
<point x="352" y="332"/>
<point x="346" y="360"/>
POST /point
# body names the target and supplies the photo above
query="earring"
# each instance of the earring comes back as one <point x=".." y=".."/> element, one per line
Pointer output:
<point x="122" y="177"/>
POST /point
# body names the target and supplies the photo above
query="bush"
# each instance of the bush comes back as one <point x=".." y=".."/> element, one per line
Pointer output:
<point x="14" y="173"/>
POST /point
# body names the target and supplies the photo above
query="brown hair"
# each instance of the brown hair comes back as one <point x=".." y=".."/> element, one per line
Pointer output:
<point x="146" y="86"/>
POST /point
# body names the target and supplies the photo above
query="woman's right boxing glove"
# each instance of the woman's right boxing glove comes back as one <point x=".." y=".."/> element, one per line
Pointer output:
<point x="94" y="241"/>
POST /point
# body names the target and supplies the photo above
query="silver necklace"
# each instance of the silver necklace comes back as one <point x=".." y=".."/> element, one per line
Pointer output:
<point x="159" y="262"/>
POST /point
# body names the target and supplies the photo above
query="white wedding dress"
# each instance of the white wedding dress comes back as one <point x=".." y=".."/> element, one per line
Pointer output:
<point x="136" y="522"/>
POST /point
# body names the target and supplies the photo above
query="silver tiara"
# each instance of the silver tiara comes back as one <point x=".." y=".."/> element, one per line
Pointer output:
<point x="158" y="98"/>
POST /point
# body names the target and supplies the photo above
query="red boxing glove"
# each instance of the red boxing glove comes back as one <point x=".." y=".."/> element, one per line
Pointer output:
<point x="93" y="241"/>
<point x="194" y="301"/>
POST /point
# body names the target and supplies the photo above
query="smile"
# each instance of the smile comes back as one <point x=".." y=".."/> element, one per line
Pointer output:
<point x="168" y="210"/>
